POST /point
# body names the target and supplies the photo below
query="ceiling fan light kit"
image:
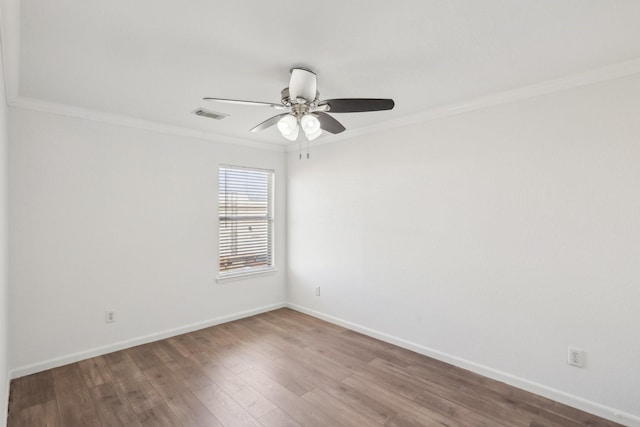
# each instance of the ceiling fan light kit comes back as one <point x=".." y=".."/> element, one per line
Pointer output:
<point x="306" y="111"/>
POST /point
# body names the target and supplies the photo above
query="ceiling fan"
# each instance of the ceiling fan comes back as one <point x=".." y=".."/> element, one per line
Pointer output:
<point x="304" y="109"/>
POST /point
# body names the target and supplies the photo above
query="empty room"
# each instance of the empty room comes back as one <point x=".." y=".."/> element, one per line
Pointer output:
<point x="336" y="213"/>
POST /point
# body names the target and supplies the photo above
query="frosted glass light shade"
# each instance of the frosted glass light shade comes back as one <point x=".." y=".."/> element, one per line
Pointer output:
<point x="311" y="126"/>
<point x="309" y="123"/>
<point x="314" y="135"/>
<point x="288" y="127"/>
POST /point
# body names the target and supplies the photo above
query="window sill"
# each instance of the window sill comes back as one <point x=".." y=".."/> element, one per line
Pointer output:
<point x="232" y="277"/>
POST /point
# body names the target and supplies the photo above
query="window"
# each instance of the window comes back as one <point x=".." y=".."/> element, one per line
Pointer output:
<point x="246" y="220"/>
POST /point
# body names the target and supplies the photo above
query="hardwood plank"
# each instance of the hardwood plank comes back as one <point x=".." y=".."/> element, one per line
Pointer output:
<point x="202" y="338"/>
<point x="165" y="381"/>
<point x="186" y="344"/>
<point x="427" y="381"/>
<point x="217" y="337"/>
<point x="295" y="380"/>
<point x="75" y="405"/>
<point x="339" y="410"/>
<point x="499" y="411"/>
<point x="296" y="364"/>
<point x="551" y="411"/>
<point x="31" y="390"/>
<point x="277" y="418"/>
<point x="259" y="326"/>
<point x="465" y="391"/>
<point x="122" y="365"/>
<point x="556" y="414"/>
<point x="42" y="414"/>
<point x="241" y="331"/>
<point x="457" y="414"/>
<point x="252" y="401"/>
<point x="140" y="394"/>
<point x="95" y="371"/>
<point x="441" y="395"/>
<point x="112" y="407"/>
<point x="298" y="318"/>
<point x="361" y="402"/>
<point x="230" y="357"/>
<point x="397" y="382"/>
<point x="190" y="374"/>
<point x="409" y="409"/>
<point x="296" y="407"/>
<point x="277" y="325"/>
<point x="159" y="416"/>
<point x="191" y="412"/>
<point x="339" y="347"/>
<point x="313" y="362"/>
<point x="166" y="352"/>
<point x="407" y="420"/>
<point x="227" y="410"/>
<point x="329" y="353"/>
<point x="377" y="348"/>
<point x="143" y="356"/>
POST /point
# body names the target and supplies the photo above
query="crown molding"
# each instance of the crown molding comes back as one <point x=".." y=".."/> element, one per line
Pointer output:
<point x="130" y="122"/>
<point x="593" y="76"/>
<point x="596" y="75"/>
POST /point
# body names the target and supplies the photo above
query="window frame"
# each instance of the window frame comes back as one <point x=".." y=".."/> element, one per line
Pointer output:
<point x="239" y="273"/>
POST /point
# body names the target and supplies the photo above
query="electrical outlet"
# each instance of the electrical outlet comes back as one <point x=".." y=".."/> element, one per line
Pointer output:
<point x="109" y="316"/>
<point x="317" y="291"/>
<point x="576" y="357"/>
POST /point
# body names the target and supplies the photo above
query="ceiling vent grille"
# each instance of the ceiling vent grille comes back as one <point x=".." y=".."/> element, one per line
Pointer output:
<point x="210" y="114"/>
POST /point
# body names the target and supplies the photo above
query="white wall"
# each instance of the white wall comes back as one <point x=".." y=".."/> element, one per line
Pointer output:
<point x="113" y="218"/>
<point x="4" y="377"/>
<point x="498" y="237"/>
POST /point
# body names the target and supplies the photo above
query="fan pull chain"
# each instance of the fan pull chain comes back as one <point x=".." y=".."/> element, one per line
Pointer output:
<point x="307" y="149"/>
<point x="300" y="155"/>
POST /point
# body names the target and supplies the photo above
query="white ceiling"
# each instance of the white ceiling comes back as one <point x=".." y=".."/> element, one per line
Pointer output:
<point x="155" y="59"/>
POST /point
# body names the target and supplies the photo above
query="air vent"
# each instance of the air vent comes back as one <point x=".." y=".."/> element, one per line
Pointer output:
<point x="210" y="114"/>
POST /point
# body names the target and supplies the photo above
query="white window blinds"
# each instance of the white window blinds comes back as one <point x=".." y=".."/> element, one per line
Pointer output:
<point x="246" y="219"/>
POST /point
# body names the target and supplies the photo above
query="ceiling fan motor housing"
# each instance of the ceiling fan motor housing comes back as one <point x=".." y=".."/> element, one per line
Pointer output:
<point x="288" y="102"/>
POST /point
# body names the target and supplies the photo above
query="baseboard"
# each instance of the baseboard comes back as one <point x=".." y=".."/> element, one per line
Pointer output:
<point x="521" y="383"/>
<point x="121" y="345"/>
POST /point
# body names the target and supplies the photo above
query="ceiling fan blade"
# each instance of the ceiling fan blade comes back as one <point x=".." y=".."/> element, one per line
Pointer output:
<point x="241" y="102"/>
<point x="302" y="84"/>
<point x="356" y="105"/>
<point x="328" y="123"/>
<point x="268" y="123"/>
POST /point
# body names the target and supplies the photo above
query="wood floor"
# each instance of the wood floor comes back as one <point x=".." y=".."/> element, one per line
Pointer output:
<point x="281" y="368"/>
